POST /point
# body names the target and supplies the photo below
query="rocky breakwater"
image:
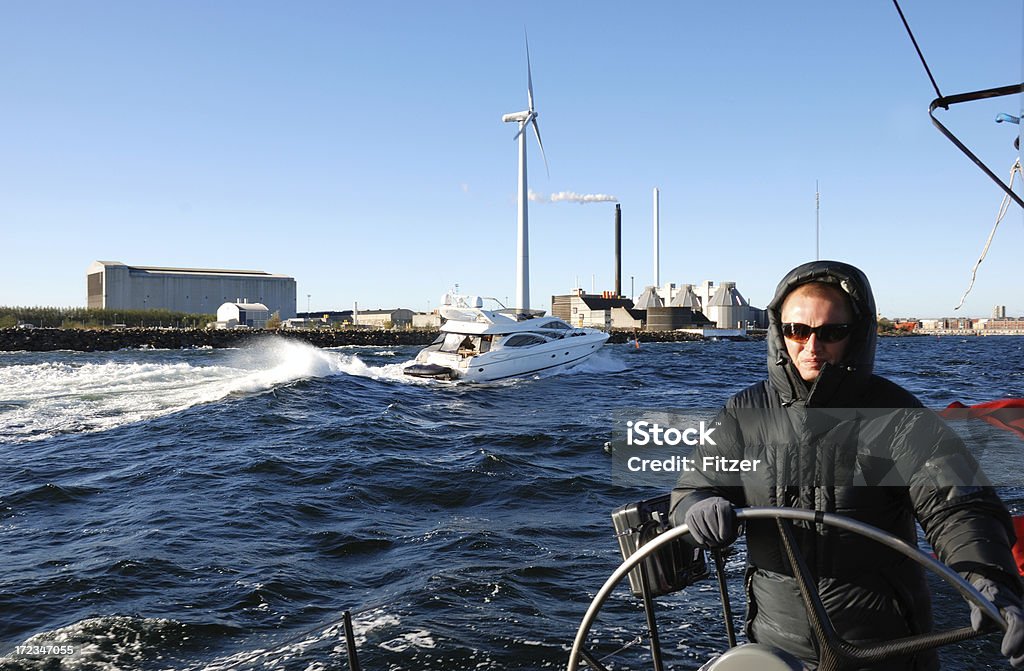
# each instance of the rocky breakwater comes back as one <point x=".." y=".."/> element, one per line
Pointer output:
<point x="618" y="337"/>
<point x="107" y="340"/>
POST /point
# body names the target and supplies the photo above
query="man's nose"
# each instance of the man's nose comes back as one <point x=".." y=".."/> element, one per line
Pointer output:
<point x="814" y="344"/>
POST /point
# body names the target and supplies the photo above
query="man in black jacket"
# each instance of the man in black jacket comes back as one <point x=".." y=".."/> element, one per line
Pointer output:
<point x="882" y="460"/>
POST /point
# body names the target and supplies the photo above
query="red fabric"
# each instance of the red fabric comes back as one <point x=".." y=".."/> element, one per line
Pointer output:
<point x="1007" y="414"/>
<point x="1018" y="547"/>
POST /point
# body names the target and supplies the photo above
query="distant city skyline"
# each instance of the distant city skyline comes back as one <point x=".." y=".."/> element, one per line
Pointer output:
<point x="360" y="149"/>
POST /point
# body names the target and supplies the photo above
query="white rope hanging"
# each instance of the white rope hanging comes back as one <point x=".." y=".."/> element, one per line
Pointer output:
<point x="1003" y="207"/>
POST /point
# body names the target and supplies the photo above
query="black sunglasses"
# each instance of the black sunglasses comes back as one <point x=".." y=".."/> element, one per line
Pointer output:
<point x="826" y="332"/>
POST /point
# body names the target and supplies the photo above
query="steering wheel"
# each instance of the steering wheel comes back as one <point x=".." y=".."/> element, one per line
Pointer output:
<point x="835" y="653"/>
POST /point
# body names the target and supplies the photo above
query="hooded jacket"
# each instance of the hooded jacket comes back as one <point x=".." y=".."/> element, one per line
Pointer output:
<point x="882" y="459"/>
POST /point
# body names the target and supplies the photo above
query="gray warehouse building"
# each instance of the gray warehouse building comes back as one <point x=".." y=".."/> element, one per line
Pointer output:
<point x="116" y="286"/>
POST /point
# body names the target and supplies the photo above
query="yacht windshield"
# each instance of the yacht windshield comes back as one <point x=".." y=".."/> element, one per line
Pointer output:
<point x="452" y="341"/>
<point x="436" y="345"/>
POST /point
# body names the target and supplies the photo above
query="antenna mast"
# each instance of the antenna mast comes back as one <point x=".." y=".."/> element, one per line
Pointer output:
<point x="657" y="268"/>
<point x="817" y="222"/>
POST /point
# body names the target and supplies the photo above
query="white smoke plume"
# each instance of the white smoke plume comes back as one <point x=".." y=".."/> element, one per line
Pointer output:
<point x="572" y="197"/>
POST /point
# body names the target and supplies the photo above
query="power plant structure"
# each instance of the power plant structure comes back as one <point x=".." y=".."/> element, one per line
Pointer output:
<point x="116" y="286"/>
<point x="658" y="308"/>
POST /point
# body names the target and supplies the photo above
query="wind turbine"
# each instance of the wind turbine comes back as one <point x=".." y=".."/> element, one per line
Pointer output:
<point x="524" y="118"/>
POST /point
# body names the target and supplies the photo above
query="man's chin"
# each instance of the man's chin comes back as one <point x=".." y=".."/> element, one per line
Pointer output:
<point x="810" y="373"/>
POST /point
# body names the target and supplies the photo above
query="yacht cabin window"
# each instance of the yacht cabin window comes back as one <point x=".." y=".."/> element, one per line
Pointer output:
<point x="524" y="340"/>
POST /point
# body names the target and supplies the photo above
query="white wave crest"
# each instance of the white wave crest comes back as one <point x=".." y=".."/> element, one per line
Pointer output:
<point x="283" y="655"/>
<point x="605" y="360"/>
<point x="66" y="395"/>
<point x="108" y="643"/>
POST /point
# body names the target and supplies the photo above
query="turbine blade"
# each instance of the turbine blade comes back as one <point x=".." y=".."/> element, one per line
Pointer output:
<point x="529" y="75"/>
<point x="536" y="131"/>
<point x="526" y="123"/>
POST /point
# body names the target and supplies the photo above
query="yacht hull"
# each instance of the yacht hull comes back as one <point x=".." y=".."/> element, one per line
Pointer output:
<point x="560" y="354"/>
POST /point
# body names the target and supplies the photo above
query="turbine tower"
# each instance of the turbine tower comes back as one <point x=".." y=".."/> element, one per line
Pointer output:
<point x="524" y="118"/>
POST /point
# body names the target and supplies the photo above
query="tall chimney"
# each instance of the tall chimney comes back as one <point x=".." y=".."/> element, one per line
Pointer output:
<point x="618" y="250"/>
<point x="657" y="280"/>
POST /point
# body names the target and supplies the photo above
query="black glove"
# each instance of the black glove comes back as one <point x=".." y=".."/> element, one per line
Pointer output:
<point x="712" y="523"/>
<point x="1009" y="606"/>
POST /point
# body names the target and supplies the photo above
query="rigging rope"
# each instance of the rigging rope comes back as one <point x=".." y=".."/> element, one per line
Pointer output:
<point x="1014" y="171"/>
<point x="627" y="646"/>
<point x="938" y="94"/>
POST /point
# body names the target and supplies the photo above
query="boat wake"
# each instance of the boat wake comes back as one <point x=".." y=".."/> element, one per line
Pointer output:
<point x="602" y="362"/>
<point x="95" y="393"/>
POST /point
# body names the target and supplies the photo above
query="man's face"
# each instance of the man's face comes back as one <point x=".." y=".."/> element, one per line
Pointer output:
<point x="815" y="309"/>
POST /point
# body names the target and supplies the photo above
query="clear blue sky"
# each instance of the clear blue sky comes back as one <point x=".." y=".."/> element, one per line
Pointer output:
<point x="359" y="146"/>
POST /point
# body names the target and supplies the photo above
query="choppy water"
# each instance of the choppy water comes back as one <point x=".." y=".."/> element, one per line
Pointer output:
<point x="219" y="509"/>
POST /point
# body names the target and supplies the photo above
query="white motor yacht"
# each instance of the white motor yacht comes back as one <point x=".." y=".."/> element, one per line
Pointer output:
<point x="479" y="345"/>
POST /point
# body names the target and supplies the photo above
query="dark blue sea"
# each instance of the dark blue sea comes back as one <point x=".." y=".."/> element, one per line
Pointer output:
<point x="220" y="509"/>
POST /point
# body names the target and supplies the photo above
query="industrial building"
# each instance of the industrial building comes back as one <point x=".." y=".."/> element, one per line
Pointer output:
<point x="587" y="310"/>
<point x="426" y="320"/>
<point x="649" y="298"/>
<point x="729" y="309"/>
<point x="666" y="308"/>
<point x="722" y="305"/>
<point x="660" y="308"/>
<point x="398" y="318"/>
<point x="234" y="315"/>
<point x="324" y="318"/>
<point x="115" y="286"/>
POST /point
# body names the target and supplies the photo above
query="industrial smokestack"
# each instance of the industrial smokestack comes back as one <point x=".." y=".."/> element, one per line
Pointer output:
<point x="618" y="250"/>
<point x="657" y="280"/>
